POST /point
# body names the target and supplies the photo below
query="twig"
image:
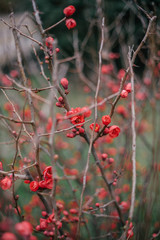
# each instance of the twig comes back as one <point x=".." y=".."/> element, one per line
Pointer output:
<point x="54" y="25"/>
<point x="133" y="139"/>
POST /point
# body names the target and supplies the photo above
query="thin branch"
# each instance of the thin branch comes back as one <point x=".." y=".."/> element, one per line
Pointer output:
<point x="133" y="139"/>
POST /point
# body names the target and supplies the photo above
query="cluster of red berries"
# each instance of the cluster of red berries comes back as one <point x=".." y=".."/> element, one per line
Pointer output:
<point x="77" y="117"/>
<point x="113" y="131"/>
<point x="49" y="223"/>
<point x="47" y="183"/>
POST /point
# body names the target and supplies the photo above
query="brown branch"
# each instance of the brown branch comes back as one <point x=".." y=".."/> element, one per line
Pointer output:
<point x="54" y="25"/>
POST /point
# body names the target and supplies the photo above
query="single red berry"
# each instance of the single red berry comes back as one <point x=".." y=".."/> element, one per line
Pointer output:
<point x="38" y="228"/>
<point x="73" y="211"/>
<point x="58" y="104"/>
<point x="97" y="205"/>
<point x="110" y="160"/>
<point x="61" y="100"/>
<point x="124" y="94"/>
<point x="34" y="185"/>
<point x="57" y="50"/>
<point x="64" y="83"/>
<point x="106" y="120"/>
<point x="104" y="156"/>
<point x="68" y="11"/>
<point x="70" y="23"/>
<point x="44" y="213"/>
<point x="114" y="183"/>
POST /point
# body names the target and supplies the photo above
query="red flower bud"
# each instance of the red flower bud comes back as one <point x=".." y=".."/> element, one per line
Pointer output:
<point x="6" y="183"/>
<point x="114" y="131"/>
<point x="68" y="11"/>
<point x="124" y="94"/>
<point x="49" y="42"/>
<point x="70" y="23"/>
<point x="97" y="205"/>
<point x="47" y="173"/>
<point x="64" y="83"/>
<point x="57" y="50"/>
<point x="104" y="156"/>
<point x="106" y="120"/>
<point x="34" y="185"/>
<point x="97" y="127"/>
<point x="58" y="104"/>
<point x="61" y="100"/>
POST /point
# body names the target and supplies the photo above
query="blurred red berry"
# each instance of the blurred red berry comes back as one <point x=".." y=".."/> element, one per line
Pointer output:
<point x="24" y="228"/>
<point x="6" y="183"/>
<point x="8" y="236"/>
<point x="124" y="94"/>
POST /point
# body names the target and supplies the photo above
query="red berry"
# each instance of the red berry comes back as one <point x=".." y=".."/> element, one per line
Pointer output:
<point x="64" y="83"/>
<point x="106" y="120"/>
<point x="70" y="23"/>
<point x="97" y="205"/>
<point x="130" y="234"/>
<point x="110" y="160"/>
<point x="8" y="236"/>
<point x="58" y="104"/>
<point x="68" y="11"/>
<point x="124" y="94"/>
<point x="104" y="156"/>
<point x="34" y="185"/>
<point x="57" y="50"/>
